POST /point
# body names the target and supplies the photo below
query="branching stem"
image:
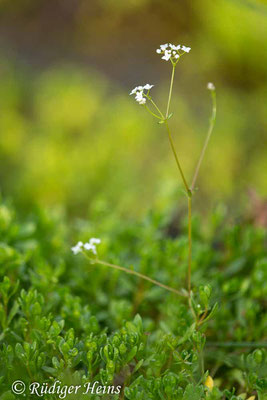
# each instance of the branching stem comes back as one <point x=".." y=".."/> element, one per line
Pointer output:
<point x="151" y="112"/>
<point x="211" y="126"/>
<point x="138" y="274"/>
<point x="156" y="107"/>
<point x="188" y="190"/>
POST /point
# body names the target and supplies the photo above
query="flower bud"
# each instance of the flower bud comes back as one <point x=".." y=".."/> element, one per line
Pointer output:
<point x="209" y="382"/>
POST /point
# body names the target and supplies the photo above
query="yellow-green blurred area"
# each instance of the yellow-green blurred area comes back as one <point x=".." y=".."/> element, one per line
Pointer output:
<point x="71" y="135"/>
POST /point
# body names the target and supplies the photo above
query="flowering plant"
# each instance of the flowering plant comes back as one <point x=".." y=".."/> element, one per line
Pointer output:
<point x="202" y="308"/>
<point x="172" y="53"/>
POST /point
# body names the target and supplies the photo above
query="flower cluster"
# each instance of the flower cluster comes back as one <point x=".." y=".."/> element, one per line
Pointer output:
<point x="171" y="52"/>
<point x="140" y="94"/>
<point x="91" y="245"/>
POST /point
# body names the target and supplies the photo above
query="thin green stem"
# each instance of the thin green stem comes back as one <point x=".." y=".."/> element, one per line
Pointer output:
<point x="259" y="395"/>
<point x="170" y="91"/>
<point x="151" y="112"/>
<point x="189" y="245"/>
<point x="188" y="191"/>
<point x="156" y="107"/>
<point x="237" y="344"/>
<point x="211" y="126"/>
<point x="176" y="159"/>
<point x="201" y="361"/>
<point x="202" y="319"/>
<point x="132" y="272"/>
<point x="170" y="136"/>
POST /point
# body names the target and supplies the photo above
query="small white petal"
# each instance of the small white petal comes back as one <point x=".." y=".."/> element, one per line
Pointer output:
<point x="164" y="46"/>
<point x="95" y="241"/>
<point x="159" y="51"/>
<point x="143" y="101"/>
<point x="139" y="96"/>
<point x="78" y="248"/>
<point x="90" y="247"/>
<point x="166" y="56"/>
<point x="133" y="91"/>
<point x="75" y="250"/>
<point x="148" y="86"/>
<point x="186" y="49"/>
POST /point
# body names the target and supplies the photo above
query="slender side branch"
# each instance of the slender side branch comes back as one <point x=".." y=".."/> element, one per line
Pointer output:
<point x="211" y="126"/>
<point x="237" y="344"/>
<point x="151" y="112"/>
<point x="156" y="107"/>
<point x="132" y="272"/>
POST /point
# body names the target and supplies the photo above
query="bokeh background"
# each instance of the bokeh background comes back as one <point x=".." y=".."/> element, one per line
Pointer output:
<point x="70" y="134"/>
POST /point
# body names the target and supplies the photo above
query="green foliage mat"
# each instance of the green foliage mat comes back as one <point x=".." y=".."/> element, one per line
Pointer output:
<point x="65" y="319"/>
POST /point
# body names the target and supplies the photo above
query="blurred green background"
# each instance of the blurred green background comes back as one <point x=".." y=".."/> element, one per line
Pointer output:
<point x="70" y="134"/>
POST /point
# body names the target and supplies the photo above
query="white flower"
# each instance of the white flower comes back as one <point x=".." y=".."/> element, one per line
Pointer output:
<point x="186" y="49"/>
<point x="140" y="95"/>
<point x="139" y="98"/>
<point x="164" y="46"/>
<point x="91" y="246"/>
<point x="78" y="248"/>
<point x="171" y="52"/>
<point x="95" y="241"/>
<point x="148" y="86"/>
<point x="166" y="56"/>
<point x="133" y="91"/>
<point x="210" y="86"/>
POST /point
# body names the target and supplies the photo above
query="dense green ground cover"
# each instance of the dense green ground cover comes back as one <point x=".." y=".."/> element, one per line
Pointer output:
<point x="64" y="318"/>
